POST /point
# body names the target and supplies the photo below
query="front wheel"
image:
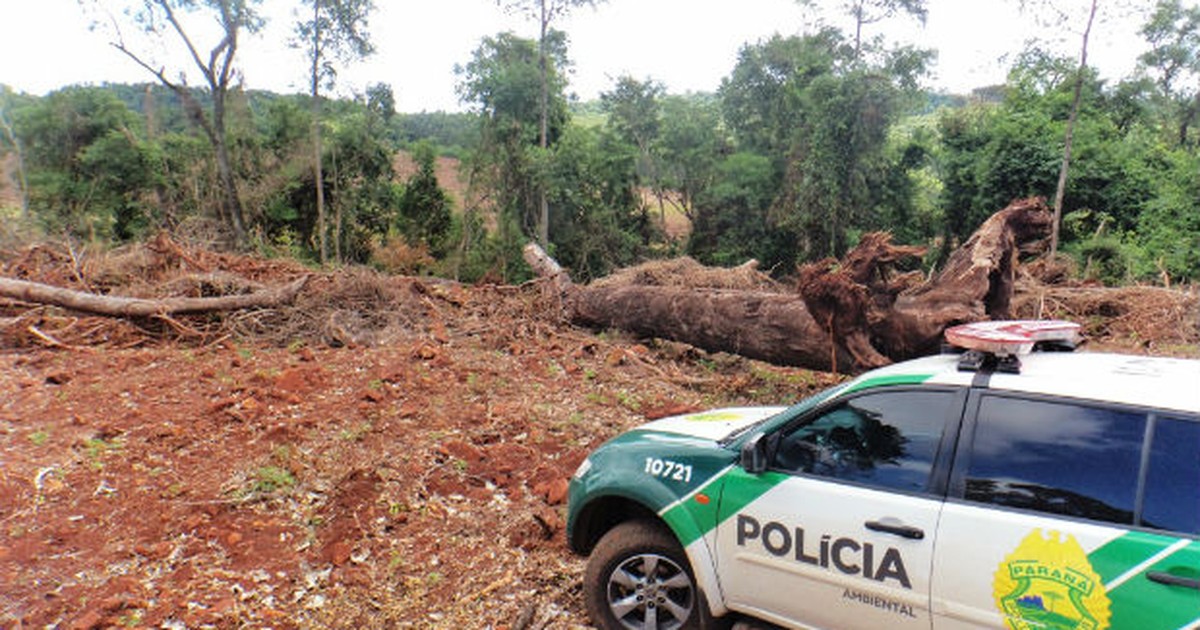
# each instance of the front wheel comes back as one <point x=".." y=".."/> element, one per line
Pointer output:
<point x="638" y="578"/>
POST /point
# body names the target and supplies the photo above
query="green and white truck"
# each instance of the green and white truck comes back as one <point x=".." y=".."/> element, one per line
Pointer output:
<point x="991" y="489"/>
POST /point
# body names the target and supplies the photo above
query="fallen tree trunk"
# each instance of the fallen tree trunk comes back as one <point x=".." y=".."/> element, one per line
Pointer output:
<point x="847" y="316"/>
<point x="772" y="327"/>
<point x="139" y="307"/>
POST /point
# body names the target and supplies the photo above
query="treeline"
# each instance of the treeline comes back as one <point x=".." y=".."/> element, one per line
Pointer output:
<point x="809" y="142"/>
<point x="117" y="162"/>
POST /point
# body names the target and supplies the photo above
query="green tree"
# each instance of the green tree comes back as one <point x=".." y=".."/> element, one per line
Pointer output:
<point x="503" y="80"/>
<point x="760" y="99"/>
<point x="122" y="172"/>
<point x="88" y="169"/>
<point x="633" y="111"/>
<point x="634" y="118"/>
<point x="381" y="101"/>
<point x="594" y="204"/>
<point x="335" y="32"/>
<point x="363" y="183"/>
<point x="358" y="176"/>
<point x="1168" y="229"/>
<point x="545" y="12"/>
<point x="12" y="144"/>
<point x="1173" y="32"/>
<point x="963" y="134"/>
<point x="690" y="145"/>
<point x="163" y="19"/>
<point x="733" y="222"/>
<point x="822" y="118"/>
<point x="424" y="210"/>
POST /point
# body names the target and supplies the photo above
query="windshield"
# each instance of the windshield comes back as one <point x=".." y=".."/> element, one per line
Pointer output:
<point x="783" y="416"/>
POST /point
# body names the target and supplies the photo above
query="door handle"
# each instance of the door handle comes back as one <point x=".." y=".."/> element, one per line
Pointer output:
<point x="896" y="529"/>
<point x="1173" y="580"/>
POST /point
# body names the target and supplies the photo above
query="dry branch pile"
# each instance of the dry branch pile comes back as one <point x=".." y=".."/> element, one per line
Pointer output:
<point x="1148" y="319"/>
<point x="687" y="273"/>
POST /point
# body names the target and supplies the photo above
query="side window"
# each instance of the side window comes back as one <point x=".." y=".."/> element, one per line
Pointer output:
<point x="1058" y="458"/>
<point x="887" y="439"/>
<point x="1172" y="499"/>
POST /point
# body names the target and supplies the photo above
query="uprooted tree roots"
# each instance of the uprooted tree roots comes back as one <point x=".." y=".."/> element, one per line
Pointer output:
<point x="857" y="313"/>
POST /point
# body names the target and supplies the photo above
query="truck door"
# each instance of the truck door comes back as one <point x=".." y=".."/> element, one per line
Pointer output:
<point x="1070" y="515"/>
<point x="838" y="533"/>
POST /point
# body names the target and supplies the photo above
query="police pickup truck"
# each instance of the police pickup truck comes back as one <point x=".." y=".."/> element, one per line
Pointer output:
<point x="991" y="489"/>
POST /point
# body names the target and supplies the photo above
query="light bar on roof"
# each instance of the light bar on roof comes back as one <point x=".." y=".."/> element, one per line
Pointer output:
<point x="1012" y="337"/>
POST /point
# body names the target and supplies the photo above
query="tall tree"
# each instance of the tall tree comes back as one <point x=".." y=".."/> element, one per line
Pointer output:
<point x="1173" y="32"/>
<point x="164" y="19"/>
<point x="867" y="12"/>
<point x="503" y="81"/>
<point x="424" y="207"/>
<point x="545" y="12"/>
<point x="1061" y="189"/>
<point x="335" y="31"/>
<point x="592" y="186"/>
<point x="381" y="101"/>
<point x="633" y="110"/>
<point x="822" y="118"/>
<point x="691" y="143"/>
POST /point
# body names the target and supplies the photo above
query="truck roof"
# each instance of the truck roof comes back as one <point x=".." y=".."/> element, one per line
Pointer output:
<point x="1160" y="382"/>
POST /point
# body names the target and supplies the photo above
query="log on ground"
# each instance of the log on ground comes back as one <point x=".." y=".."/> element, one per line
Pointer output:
<point x="116" y="306"/>
<point x="772" y="327"/>
<point x="848" y="316"/>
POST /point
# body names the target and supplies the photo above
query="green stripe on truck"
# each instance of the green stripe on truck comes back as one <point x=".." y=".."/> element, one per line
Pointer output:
<point x="1137" y="601"/>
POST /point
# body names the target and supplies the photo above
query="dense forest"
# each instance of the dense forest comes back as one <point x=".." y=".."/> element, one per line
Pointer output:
<point x="810" y="141"/>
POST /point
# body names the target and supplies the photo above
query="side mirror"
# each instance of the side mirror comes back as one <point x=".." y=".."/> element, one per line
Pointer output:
<point x="754" y="454"/>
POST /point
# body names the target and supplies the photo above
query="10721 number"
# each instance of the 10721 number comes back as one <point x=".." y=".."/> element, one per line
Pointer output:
<point x="668" y="469"/>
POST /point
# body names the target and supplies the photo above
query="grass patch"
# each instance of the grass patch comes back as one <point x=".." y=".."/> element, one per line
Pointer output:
<point x="97" y="449"/>
<point x="270" y="479"/>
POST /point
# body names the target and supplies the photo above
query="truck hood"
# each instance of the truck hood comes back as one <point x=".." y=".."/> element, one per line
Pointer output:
<point x="712" y="425"/>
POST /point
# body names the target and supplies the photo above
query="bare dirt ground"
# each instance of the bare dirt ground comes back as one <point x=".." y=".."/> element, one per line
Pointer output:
<point x="266" y="469"/>
<point x="386" y="452"/>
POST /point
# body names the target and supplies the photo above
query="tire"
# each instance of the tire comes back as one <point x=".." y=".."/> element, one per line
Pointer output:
<point x="638" y="578"/>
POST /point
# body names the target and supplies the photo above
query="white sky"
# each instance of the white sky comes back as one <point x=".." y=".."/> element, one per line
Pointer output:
<point x="689" y="45"/>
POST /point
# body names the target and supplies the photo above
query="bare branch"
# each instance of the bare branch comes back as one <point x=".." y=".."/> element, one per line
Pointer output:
<point x="137" y="307"/>
<point x="183" y="36"/>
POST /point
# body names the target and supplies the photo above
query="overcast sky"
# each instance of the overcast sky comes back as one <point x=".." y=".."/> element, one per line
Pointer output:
<point x="689" y="45"/>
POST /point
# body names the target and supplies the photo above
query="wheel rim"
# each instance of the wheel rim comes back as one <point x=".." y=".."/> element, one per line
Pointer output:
<point x="650" y="592"/>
